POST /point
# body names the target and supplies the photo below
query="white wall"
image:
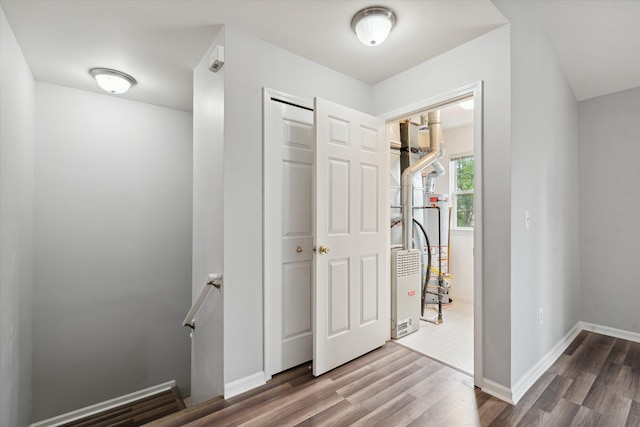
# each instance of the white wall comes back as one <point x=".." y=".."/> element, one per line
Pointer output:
<point x="252" y="64"/>
<point x="485" y="58"/>
<point x="544" y="259"/>
<point x="608" y="129"/>
<point x="207" y="377"/>
<point x="458" y="141"/>
<point x="113" y="248"/>
<point x="17" y="112"/>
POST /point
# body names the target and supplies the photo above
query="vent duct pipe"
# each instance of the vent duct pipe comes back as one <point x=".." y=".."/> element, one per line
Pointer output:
<point x="435" y="138"/>
<point x="428" y="179"/>
<point x="424" y="140"/>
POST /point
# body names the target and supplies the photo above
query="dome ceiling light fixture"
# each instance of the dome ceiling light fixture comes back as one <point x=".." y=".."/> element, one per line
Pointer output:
<point x="372" y="25"/>
<point x="113" y="81"/>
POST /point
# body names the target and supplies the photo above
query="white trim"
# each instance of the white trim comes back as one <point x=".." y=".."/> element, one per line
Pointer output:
<point x="497" y="390"/>
<point x="475" y="90"/>
<point x="523" y="385"/>
<point x="460" y="155"/>
<point x="461" y="231"/>
<point x="478" y="233"/>
<point x="104" y="406"/>
<point x="267" y="96"/>
<point x="241" y="385"/>
<point x="609" y="331"/>
<point x="532" y="375"/>
<point x="441" y="100"/>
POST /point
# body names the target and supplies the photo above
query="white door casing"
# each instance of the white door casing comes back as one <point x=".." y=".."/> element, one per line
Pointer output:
<point x="290" y="156"/>
<point x="475" y="90"/>
<point x="351" y="220"/>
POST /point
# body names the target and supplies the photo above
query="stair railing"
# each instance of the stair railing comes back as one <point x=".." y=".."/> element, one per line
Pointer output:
<point x="213" y="281"/>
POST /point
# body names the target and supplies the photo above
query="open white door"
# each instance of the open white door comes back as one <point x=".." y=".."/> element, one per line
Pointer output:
<point x="351" y="231"/>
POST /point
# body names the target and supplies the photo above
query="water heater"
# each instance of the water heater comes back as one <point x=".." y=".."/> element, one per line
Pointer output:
<point x="438" y="231"/>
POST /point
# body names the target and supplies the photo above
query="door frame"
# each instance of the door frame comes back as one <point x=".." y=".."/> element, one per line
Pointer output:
<point x="267" y="143"/>
<point x="474" y="89"/>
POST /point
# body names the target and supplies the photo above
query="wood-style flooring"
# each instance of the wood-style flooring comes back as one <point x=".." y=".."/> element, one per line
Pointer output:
<point x="136" y="413"/>
<point x="595" y="382"/>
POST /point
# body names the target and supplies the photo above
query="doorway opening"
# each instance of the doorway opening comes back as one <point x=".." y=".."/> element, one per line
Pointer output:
<point x="446" y="225"/>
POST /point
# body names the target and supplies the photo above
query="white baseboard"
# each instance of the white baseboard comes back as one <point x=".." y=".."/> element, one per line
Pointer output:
<point x="241" y="385"/>
<point x="104" y="406"/>
<point x="532" y="375"/>
<point x="514" y="394"/>
<point x="497" y="390"/>
<point x="612" y="332"/>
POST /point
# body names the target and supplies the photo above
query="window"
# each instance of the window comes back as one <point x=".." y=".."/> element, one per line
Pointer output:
<point x="462" y="173"/>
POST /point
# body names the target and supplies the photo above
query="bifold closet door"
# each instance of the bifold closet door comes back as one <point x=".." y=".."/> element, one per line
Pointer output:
<point x="291" y="166"/>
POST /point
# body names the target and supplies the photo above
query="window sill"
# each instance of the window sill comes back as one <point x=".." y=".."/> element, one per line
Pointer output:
<point x="462" y="231"/>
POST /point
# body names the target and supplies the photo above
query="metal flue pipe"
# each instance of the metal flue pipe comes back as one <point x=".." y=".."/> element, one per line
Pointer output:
<point x="435" y="137"/>
<point x="428" y="179"/>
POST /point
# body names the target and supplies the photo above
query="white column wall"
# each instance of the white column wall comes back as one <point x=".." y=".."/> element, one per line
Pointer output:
<point x="545" y="265"/>
<point x="207" y="374"/>
<point x="17" y="115"/>
<point x="608" y="129"/>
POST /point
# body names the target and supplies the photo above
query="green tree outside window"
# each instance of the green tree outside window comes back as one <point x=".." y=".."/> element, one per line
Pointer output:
<point x="463" y="168"/>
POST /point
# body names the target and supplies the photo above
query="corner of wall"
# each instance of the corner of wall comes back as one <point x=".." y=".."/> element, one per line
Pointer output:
<point x="513" y="394"/>
<point x="522" y="385"/>
<point x="498" y="390"/>
<point x="241" y="385"/>
<point x="207" y="344"/>
<point x="17" y="118"/>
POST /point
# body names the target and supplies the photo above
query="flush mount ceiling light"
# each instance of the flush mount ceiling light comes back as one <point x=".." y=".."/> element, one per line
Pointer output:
<point x="112" y="81"/>
<point x="373" y="24"/>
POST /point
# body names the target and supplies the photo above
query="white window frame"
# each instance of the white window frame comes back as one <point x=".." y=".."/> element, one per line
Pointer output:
<point x="453" y="186"/>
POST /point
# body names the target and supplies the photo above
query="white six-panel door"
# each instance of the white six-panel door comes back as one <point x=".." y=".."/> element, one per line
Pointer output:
<point x="290" y="155"/>
<point x="351" y="235"/>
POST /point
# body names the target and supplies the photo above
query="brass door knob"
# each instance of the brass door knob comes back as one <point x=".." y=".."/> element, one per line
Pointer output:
<point x="299" y="249"/>
<point x="323" y="249"/>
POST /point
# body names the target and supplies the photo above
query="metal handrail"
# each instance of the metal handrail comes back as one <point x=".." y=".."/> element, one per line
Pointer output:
<point x="213" y="280"/>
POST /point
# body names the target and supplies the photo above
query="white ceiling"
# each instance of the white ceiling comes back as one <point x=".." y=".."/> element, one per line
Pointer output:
<point x="159" y="42"/>
<point x="597" y="43"/>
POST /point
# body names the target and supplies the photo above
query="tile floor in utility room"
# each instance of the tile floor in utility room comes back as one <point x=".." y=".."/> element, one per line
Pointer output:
<point x="450" y="342"/>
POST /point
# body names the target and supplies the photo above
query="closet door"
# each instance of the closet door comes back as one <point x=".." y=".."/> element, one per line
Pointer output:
<point x="291" y="248"/>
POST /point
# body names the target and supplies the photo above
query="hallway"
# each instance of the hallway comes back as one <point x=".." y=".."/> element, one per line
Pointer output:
<point x="595" y="382"/>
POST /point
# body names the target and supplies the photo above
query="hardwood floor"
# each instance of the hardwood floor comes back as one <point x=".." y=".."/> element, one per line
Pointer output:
<point x="595" y="382"/>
